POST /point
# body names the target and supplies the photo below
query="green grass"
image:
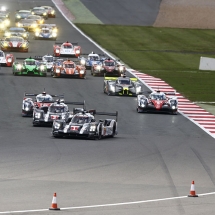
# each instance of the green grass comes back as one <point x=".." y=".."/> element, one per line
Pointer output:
<point x="167" y="53"/>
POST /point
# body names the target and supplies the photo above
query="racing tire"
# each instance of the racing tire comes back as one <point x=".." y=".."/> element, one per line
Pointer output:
<point x="138" y="110"/>
<point x="114" y="130"/>
<point x="100" y="133"/>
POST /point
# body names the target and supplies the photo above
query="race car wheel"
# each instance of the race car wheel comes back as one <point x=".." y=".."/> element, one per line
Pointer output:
<point x="138" y="110"/>
<point x="114" y="130"/>
<point x="100" y="133"/>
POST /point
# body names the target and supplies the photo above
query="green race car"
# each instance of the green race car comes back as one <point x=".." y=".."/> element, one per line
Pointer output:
<point x="29" y="66"/>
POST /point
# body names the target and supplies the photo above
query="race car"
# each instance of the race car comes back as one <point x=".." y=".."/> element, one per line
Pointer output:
<point x="14" y="43"/>
<point x="45" y="33"/>
<point x="40" y="11"/>
<point x="4" y="11"/>
<point x="83" y="124"/>
<point x="29" y="66"/>
<point x="91" y="59"/>
<point x="50" y="11"/>
<point x="28" y="24"/>
<point x="157" y="102"/>
<point x="44" y="116"/>
<point x="68" y="69"/>
<point x="3" y="27"/>
<point x="22" y="14"/>
<point x="6" y="59"/>
<point x="16" y="31"/>
<point x="49" y="60"/>
<point x="122" y="86"/>
<point x="53" y="27"/>
<point x="66" y="49"/>
<point x="32" y="100"/>
<point x="38" y="19"/>
<point x="5" y="19"/>
<point x="108" y="67"/>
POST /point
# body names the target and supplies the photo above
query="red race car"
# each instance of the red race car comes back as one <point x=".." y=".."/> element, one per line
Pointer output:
<point x="66" y="49"/>
<point x="68" y="69"/>
<point x="108" y="67"/>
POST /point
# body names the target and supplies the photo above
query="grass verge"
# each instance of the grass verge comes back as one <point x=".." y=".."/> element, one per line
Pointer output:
<point x="167" y="53"/>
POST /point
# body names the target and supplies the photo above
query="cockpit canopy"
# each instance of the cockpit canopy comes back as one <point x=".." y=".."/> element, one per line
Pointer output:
<point x="30" y="62"/>
<point x="93" y="57"/>
<point x="158" y="96"/>
<point x="81" y="119"/>
<point x="109" y="63"/>
<point x="42" y="98"/>
<point x="67" y="46"/>
<point x="124" y="81"/>
<point x="68" y="65"/>
<point x="58" y="109"/>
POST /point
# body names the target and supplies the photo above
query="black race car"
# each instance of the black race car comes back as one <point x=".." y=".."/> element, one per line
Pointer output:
<point x="83" y="124"/>
<point x="40" y="11"/>
<point x="122" y="86"/>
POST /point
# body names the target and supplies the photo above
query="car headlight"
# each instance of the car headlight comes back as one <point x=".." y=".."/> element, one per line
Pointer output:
<point x="82" y="72"/>
<point x="24" y="35"/>
<point x="98" y="67"/>
<point x="32" y="12"/>
<point x="54" y="34"/>
<point x="2" y="25"/>
<point x="42" y="67"/>
<point x="7" y="34"/>
<point x="57" y="70"/>
<point x="18" y="16"/>
<point x="7" y="22"/>
<point x="19" y="24"/>
<point x="138" y="89"/>
<point x="56" y="125"/>
<point x="52" y="12"/>
<point x="83" y="61"/>
<point x="34" y="25"/>
<point x="19" y="66"/>
<point x="54" y="30"/>
<point x="37" y="33"/>
<point x="77" y="51"/>
<point x="3" y="8"/>
<point x="44" y="14"/>
<point x="5" y="44"/>
<point x="9" y="60"/>
<point x="92" y="128"/>
<point x="57" y="51"/>
<point x="41" y="21"/>
<point x="112" y="88"/>
<point x="173" y="107"/>
<point x="142" y="104"/>
<point x="121" y="68"/>
<point x="37" y="115"/>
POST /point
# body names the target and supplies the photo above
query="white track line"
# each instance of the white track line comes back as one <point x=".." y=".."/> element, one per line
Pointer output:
<point x="107" y="205"/>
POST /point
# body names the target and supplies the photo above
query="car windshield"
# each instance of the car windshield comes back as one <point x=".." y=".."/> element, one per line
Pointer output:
<point x="45" y="31"/>
<point x="67" y="46"/>
<point x="94" y="58"/>
<point x="124" y="81"/>
<point x="80" y="119"/>
<point x="57" y="109"/>
<point x="109" y="63"/>
<point x="17" y="39"/>
<point x="49" y="59"/>
<point x="17" y="29"/>
<point x="1" y="54"/>
<point x="158" y="96"/>
<point x="69" y="65"/>
<point x="30" y="62"/>
<point x="27" y="21"/>
<point x="41" y="98"/>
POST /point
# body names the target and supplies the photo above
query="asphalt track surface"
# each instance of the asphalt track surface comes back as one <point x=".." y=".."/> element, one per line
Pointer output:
<point x="154" y="156"/>
<point x="124" y="12"/>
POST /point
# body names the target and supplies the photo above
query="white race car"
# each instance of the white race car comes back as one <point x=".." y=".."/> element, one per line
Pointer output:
<point x="49" y="60"/>
<point x="6" y="59"/>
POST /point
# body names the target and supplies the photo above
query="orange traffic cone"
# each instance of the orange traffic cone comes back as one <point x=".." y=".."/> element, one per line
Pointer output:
<point x="192" y="190"/>
<point x="54" y="203"/>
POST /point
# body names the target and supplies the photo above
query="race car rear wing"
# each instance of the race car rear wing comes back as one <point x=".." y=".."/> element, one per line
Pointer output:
<point x="115" y="78"/>
<point x="74" y="44"/>
<point x="107" y="114"/>
<point x="35" y="58"/>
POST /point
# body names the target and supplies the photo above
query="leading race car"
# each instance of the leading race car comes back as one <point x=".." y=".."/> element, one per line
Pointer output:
<point x="29" y="66"/>
<point x="157" y="102"/>
<point x="83" y="124"/>
<point x="50" y="11"/>
<point x="40" y="11"/>
<point x="44" y="116"/>
<point x="66" y="49"/>
<point x="14" y="43"/>
<point x="108" y="67"/>
<point x="68" y="69"/>
<point x="32" y="100"/>
<point x="92" y="59"/>
<point x="122" y="86"/>
<point x="6" y="59"/>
